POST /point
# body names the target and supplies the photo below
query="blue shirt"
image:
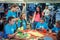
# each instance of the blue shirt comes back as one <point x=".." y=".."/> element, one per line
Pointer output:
<point x="42" y="25"/>
<point x="11" y="14"/>
<point x="24" y="24"/>
<point x="19" y="24"/>
<point x="56" y="29"/>
<point x="9" y="29"/>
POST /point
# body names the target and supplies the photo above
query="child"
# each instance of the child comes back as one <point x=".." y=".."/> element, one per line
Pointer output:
<point x="13" y="11"/>
<point x="10" y="28"/>
<point x="56" y="29"/>
<point x="58" y="36"/>
<point x="23" y="21"/>
<point x="42" y="25"/>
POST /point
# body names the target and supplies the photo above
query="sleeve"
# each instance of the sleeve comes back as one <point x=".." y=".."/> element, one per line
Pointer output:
<point x="46" y="26"/>
<point x="15" y="26"/>
<point x="37" y="26"/>
<point x="44" y="10"/>
<point x="8" y="14"/>
<point x="19" y="24"/>
<point x="54" y="30"/>
<point x="7" y="30"/>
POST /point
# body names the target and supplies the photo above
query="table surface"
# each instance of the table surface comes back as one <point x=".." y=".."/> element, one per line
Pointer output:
<point x="45" y="34"/>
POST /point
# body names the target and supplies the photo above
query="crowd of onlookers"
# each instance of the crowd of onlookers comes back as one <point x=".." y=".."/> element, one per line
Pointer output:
<point x="39" y="20"/>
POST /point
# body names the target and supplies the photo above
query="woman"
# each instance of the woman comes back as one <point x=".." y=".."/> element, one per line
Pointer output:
<point x="36" y="17"/>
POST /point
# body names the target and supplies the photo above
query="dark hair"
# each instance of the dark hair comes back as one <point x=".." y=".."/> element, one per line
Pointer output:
<point x="39" y="11"/>
<point x="14" y="5"/>
<point x="58" y="22"/>
<point x="10" y="18"/>
<point x="58" y="36"/>
<point x="23" y="4"/>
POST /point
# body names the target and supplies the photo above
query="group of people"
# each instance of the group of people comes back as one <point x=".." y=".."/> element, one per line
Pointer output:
<point x="13" y="23"/>
<point x="39" y="20"/>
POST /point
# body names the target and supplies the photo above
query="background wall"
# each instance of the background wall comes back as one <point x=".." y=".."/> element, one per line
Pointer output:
<point x="30" y="1"/>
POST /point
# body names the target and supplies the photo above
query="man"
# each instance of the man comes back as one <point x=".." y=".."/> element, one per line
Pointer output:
<point x="10" y="28"/>
<point x="12" y="12"/>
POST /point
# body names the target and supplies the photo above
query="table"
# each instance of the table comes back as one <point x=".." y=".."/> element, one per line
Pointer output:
<point x="36" y="37"/>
